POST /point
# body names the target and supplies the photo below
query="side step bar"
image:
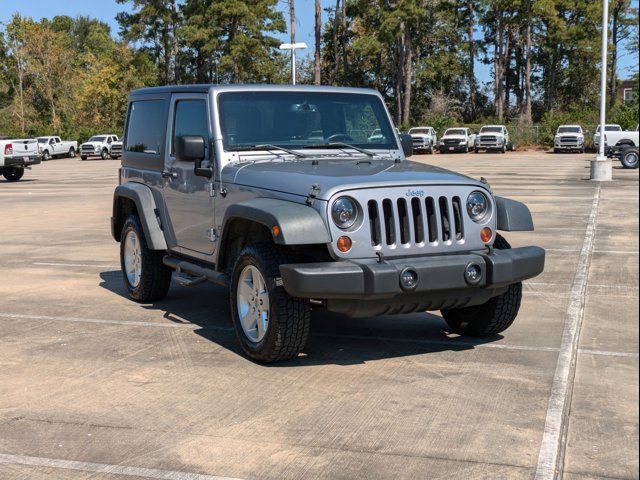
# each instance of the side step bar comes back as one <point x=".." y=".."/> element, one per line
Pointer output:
<point x="197" y="273"/>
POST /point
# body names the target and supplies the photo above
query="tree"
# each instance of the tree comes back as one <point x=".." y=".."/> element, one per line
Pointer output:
<point x="317" y="52"/>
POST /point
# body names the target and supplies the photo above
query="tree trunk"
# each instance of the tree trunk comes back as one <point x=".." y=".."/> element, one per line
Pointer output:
<point x="336" y="49"/>
<point x="174" y="42"/>
<point x="407" y="77"/>
<point x="527" y="78"/>
<point x="292" y="31"/>
<point x="343" y="18"/>
<point x="497" y="73"/>
<point x="472" y="60"/>
<point x="318" y="53"/>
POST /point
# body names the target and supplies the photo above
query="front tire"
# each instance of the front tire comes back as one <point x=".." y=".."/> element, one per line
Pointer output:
<point x="270" y="325"/>
<point x="104" y="154"/>
<point x="12" y="174"/>
<point x="145" y="276"/>
<point x="83" y="157"/>
<point x="46" y="156"/>
<point x="491" y="318"/>
<point x="629" y="158"/>
<point x="72" y="153"/>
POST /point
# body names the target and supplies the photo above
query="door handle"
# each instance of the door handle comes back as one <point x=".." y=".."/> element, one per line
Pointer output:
<point x="169" y="174"/>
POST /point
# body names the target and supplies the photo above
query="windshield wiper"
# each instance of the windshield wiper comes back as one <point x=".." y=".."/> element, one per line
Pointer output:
<point x="268" y="148"/>
<point x="341" y="145"/>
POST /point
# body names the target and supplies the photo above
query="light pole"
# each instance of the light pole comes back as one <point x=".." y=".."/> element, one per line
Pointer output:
<point x="293" y="47"/>
<point x="601" y="169"/>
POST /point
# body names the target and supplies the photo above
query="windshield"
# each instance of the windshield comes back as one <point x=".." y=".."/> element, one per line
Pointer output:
<point x="610" y="128"/>
<point x="420" y="130"/>
<point x="455" y="131"/>
<point x="302" y="119"/>
<point x="491" y="130"/>
<point x="42" y="139"/>
<point x="568" y="129"/>
<point x="97" y="139"/>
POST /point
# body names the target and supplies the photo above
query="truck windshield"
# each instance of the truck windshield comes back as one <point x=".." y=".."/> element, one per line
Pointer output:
<point x="455" y="131"/>
<point x="568" y="129"/>
<point x="420" y="130"/>
<point x="97" y="139"/>
<point x="303" y="119"/>
<point x="491" y="130"/>
<point x="43" y="139"/>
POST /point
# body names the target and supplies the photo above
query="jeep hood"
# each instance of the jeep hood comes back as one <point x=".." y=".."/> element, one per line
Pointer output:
<point x="297" y="176"/>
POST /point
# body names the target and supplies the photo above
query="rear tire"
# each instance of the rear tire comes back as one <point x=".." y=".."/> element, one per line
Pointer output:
<point x="12" y="174"/>
<point x="145" y="276"/>
<point x="629" y="158"/>
<point x="491" y="318"/>
<point x="282" y="328"/>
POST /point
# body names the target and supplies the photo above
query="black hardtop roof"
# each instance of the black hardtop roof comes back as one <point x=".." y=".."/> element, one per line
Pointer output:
<point x="205" y="88"/>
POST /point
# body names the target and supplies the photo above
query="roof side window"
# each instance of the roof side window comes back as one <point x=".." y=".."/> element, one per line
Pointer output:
<point x="144" y="128"/>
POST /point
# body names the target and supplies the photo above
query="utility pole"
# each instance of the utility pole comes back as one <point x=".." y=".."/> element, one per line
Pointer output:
<point x="601" y="169"/>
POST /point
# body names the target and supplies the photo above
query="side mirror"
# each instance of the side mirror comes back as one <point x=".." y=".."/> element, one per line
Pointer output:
<point x="191" y="148"/>
<point x="407" y="144"/>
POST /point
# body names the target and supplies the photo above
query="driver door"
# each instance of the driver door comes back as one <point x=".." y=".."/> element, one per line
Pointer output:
<point x="188" y="197"/>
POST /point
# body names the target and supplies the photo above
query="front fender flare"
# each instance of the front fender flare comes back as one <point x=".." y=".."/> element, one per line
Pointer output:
<point x="298" y="224"/>
<point x="513" y="216"/>
<point x="142" y="197"/>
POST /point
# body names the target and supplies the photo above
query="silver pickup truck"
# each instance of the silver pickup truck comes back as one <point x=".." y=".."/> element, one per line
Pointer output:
<point x="282" y="194"/>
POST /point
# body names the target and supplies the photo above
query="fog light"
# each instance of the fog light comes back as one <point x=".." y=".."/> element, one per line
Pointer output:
<point x="473" y="274"/>
<point x="344" y="244"/>
<point x="485" y="235"/>
<point x="408" y="279"/>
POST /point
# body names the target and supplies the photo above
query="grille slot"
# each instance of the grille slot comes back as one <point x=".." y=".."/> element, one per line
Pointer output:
<point x="374" y="223"/>
<point x="415" y="222"/>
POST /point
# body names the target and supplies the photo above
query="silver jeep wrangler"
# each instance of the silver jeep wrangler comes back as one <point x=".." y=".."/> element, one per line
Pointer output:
<point x="284" y="195"/>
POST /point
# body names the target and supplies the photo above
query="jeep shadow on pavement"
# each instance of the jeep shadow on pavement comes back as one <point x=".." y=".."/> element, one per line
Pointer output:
<point x="284" y="195"/>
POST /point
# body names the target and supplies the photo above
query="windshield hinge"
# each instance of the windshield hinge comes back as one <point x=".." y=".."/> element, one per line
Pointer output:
<point x="315" y="190"/>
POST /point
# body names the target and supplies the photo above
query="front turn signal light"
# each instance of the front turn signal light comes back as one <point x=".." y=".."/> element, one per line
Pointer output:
<point x="486" y="234"/>
<point x="344" y="244"/>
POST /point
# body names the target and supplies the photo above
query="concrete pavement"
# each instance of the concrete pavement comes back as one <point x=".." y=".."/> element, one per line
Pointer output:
<point x="93" y="385"/>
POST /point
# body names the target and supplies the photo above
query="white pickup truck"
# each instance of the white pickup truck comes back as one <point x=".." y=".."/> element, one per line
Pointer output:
<point x="493" y="137"/>
<point x="568" y="138"/>
<point x="457" y="140"/>
<point x="51" y="147"/>
<point x="16" y="155"/>
<point x="424" y="138"/>
<point x="99" y="145"/>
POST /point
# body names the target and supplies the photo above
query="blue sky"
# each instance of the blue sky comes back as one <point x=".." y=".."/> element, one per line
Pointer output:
<point x="106" y="10"/>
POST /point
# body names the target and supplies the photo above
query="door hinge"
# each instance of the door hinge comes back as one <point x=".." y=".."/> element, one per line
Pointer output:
<point x="212" y="234"/>
<point x="212" y="189"/>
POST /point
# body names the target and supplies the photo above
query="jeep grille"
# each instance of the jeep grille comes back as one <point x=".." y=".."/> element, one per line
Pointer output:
<point x="412" y="220"/>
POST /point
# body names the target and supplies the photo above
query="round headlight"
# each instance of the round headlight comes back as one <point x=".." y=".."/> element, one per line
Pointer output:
<point x="344" y="212"/>
<point x="477" y="206"/>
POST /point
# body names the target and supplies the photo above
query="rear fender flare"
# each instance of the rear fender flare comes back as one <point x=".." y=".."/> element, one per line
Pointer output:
<point x="142" y="197"/>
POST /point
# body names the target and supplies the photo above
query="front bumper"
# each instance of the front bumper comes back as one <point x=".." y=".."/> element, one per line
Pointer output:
<point x="369" y="287"/>
<point x="489" y="146"/>
<point x="444" y="148"/>
<point x="21" y="161"/>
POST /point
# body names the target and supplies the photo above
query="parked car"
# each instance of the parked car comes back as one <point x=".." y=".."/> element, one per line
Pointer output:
<point x="98" y="145"/>
<point x="116" y="149"/>
<point x="457" y="140"/>
<point x="568" y="138"/>
<point x="51" y="147"/>
<point x="424" y="139"/>
<point x="346" y="225"/>
<point x="493" y="137"/>
<point x="612" y="127"/>
<point x="16" y="155"/>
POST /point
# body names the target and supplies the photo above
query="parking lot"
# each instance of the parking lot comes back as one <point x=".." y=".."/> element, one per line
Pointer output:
<point x="93" y="385"/>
